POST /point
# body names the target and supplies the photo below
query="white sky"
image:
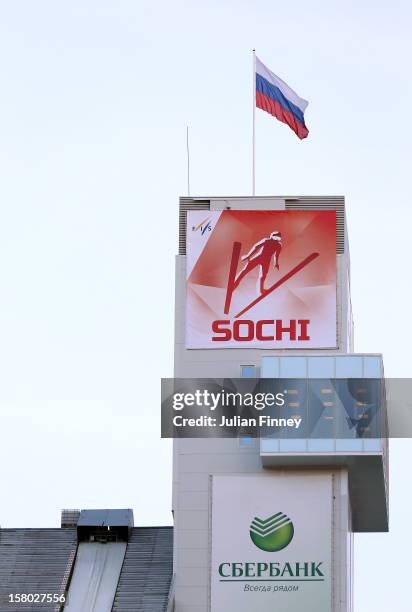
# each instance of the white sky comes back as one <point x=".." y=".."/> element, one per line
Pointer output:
<point x="95" y="97"/>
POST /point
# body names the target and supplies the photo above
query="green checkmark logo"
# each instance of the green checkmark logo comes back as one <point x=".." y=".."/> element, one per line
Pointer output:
<point x="272" y="534"/>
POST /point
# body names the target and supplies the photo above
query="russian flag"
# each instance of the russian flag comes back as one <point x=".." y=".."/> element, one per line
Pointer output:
<point x="276" y="97"/>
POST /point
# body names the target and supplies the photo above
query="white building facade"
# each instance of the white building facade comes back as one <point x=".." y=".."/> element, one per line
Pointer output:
<point x="230" y="495"/>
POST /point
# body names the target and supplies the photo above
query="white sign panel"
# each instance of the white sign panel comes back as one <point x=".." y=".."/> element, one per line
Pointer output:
<point x="271" y="543"/>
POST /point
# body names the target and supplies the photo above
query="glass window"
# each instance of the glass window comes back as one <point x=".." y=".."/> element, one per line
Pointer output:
<point x="321" y="446"/>
<point x="268" y="445"/>
<point x="247" y="371"/>
<point x="293" y="367"/>
<point x="321" y="367"/>
<point x="373" y="445"/>
<point x="270" y="367"/>
<point x="349" y="366"/>
<point x="323" y="407"/>
<point x="246" y="441"/>
<point x="349" y="446"/>
<point x="292" y="446"/>
<point x="372" y="366"/>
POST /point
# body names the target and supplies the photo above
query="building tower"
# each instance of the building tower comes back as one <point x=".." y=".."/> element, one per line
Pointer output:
<point x="267" y="524"/>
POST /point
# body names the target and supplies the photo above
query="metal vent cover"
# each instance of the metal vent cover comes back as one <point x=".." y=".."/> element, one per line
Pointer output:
<point x="291" y="203"/>
<point x="69" y="517"/>
<point x="186" y="204"/>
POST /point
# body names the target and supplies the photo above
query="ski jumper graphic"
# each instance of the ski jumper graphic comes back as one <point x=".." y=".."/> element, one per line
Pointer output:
<point x="261" y="255"/>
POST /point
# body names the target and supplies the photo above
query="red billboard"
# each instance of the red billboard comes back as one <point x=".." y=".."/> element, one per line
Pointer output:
<point x="261" y="279"/>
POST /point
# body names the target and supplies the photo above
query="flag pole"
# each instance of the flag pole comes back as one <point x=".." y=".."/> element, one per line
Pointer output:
<point x="253" y="121"/>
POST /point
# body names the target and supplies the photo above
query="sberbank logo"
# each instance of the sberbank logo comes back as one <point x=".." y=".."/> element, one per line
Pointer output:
<point x="272" y="534"/>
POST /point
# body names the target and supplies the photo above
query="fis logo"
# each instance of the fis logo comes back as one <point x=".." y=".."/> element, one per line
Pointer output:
<point x="272" y="534"/>
<point x="204" y="226"/>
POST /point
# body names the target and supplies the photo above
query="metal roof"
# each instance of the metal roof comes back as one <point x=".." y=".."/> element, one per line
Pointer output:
<point x="147" y="571"/>
<point x="43" y="561"/>
<point x="35" y="561"/>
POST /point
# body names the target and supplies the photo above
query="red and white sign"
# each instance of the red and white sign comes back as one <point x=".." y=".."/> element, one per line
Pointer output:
<point x="261" y="279"/>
